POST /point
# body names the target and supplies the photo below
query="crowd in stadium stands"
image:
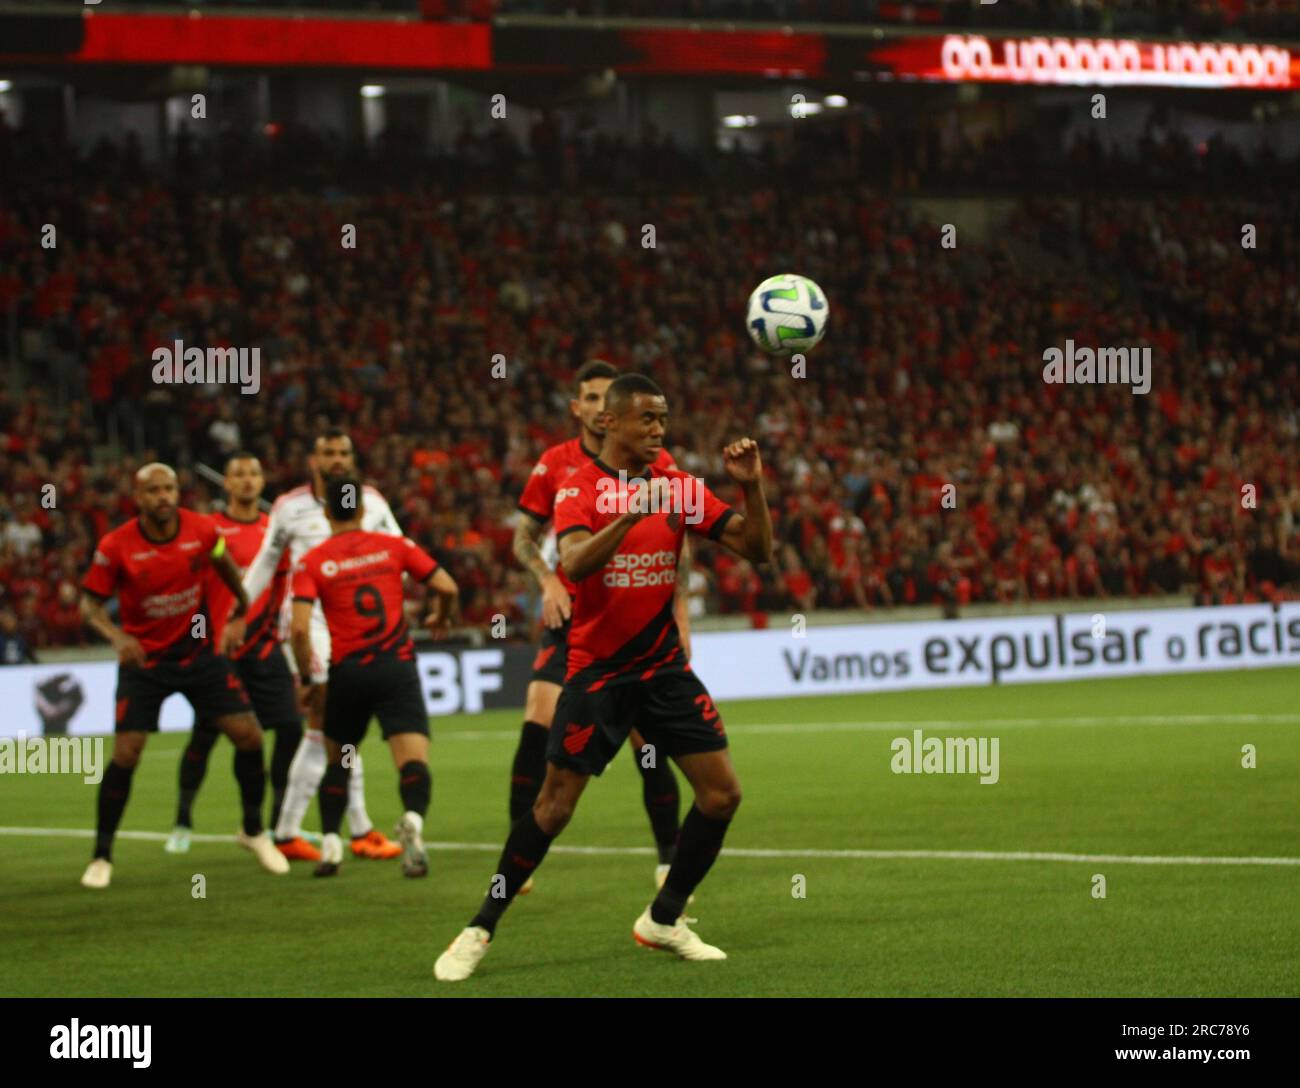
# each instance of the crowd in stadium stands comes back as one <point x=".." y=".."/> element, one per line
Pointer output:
<point x="922" y="459"/>
<point x="1199" y="17"/>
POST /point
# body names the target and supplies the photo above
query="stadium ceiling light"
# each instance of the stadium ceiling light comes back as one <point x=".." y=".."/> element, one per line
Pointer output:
<point x="803" y="109"/>
<point x="372" y="90"/>
<point x="739" y="120"/>
<point x="6" y="85"/>
<point x="835" y="101"/>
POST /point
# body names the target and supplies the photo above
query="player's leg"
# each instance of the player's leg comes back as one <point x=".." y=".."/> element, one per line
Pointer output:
<point x="526" y="846"/>
<point x="717" y="796"/>
<point x="250" y="774"/>
<point x="193" y="767"/>
<point x="114" y="791"/>
<point x="367" y="840"/>
<point x="415" y="785"/>
<point x="333" y="797"/>
<point x="308" y="763"/>
<point x="528" y="768"/>
<point x="270" y="685"/>
<point x="678" y="717"/>
<point x="405" y="725"/>
<point x="139" y="698"/>
<point x="529" y="765"/>
<point x="214" y="690"/>
<point x="345" y="718"/>
<point x="661" y="798"/>
<point x="288" y="738"/>
<point x="574" y="754"/>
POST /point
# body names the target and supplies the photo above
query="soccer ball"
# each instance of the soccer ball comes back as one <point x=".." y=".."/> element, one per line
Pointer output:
<point x="787" y="313"/>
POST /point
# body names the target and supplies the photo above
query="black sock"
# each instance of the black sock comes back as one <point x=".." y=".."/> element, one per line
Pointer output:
<point x="662" y="805"/>
<point x="528" y="769"/>
<point x="194" y="765"/>
<point x="287" y="739"/>
<point x="524" y="851"/>
<point x="251" y="776"/>
<point x="333" y="796"/>
<point x="697" y="846"/>
<point x="415" y="784"/>
<point x="113" y="793"/>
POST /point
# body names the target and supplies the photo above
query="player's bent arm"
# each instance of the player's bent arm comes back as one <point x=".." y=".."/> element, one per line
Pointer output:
<point x="300" y="636"/>
<point x="387" y="523"/>
<point x="95" y="616"/>
<point x="446" y="606"/>
<point x="527" y="549"/>
<point x="228" y="572"/>
<point x="261" y="571"/>
<point x="446" y="588"/>
<point x="583" y="552"/>
<point x="749" y="535"/>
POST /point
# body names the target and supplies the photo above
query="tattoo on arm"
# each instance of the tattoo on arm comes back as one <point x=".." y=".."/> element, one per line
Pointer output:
<point x="527" y="550"/>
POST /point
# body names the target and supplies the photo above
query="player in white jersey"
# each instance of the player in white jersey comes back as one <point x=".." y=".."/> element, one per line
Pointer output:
<point x="298" y="523"/>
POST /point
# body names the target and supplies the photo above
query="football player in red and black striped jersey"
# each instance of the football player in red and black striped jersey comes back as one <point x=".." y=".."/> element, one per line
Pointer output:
<point x="548" y="481"/>
<point x="260" y="661"/>
<point x="157" y="567"/>
<point x="620" y="525"/>
<point x="356" y="576"/>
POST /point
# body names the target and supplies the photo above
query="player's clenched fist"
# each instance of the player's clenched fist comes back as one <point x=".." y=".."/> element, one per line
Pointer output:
<point x="741" y="460"/>
<point x="654" y="496"/>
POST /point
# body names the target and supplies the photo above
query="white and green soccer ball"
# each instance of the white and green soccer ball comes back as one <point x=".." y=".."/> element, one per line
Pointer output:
<point x="787" y="314"/>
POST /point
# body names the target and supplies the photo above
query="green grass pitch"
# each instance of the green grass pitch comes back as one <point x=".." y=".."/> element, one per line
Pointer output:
<point x="1107" y="770"/>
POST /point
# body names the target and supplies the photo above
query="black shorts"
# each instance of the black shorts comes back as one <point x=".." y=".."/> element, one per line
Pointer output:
<point x="209" y="682"/>
<point x="552" y="660"/>
<point x="673" y="711"/>
<point x="385" y="688"/>
<point x="269" y="684"/>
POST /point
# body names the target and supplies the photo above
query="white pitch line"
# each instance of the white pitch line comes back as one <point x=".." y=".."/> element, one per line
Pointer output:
<point x="631" y="851"/>
<point x="908" y="724"/>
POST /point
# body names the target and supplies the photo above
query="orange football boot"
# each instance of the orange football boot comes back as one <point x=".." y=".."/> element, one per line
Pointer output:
<point x="374" y="844"/>
<point x="298" y="849"/>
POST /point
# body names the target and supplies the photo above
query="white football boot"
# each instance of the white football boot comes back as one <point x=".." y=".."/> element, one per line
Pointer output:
<point x="331" y="855"/>
<point x="462" y="955"/>
<point x="97" y="875"/>
<point x="409" y="832"/>
<point x="263" y="848"/>
<point x="679" y="938"/>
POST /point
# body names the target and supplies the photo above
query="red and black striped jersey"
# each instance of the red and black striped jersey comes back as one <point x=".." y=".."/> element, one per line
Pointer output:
<point x="243" y="541"/>
<point x="551" y="475"/>
<point x="159" y="584"/>
<point x="357" y="577"/>
<point x="623" y="628"/>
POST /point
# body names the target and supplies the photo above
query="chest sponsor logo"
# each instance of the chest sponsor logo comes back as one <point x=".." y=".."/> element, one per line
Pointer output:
<point x="635" y="570"/>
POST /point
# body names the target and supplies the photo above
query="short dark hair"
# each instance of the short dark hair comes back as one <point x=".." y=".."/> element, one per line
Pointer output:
<point x="331" y="433"/>
<point x="593" y="368"/>
<point x="623" y="388"/>
<point x="343" y="497"/>
<point x="241" y="455"/>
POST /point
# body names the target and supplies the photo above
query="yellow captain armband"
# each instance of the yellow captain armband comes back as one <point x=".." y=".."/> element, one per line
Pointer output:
<point x="219" y="548"/>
